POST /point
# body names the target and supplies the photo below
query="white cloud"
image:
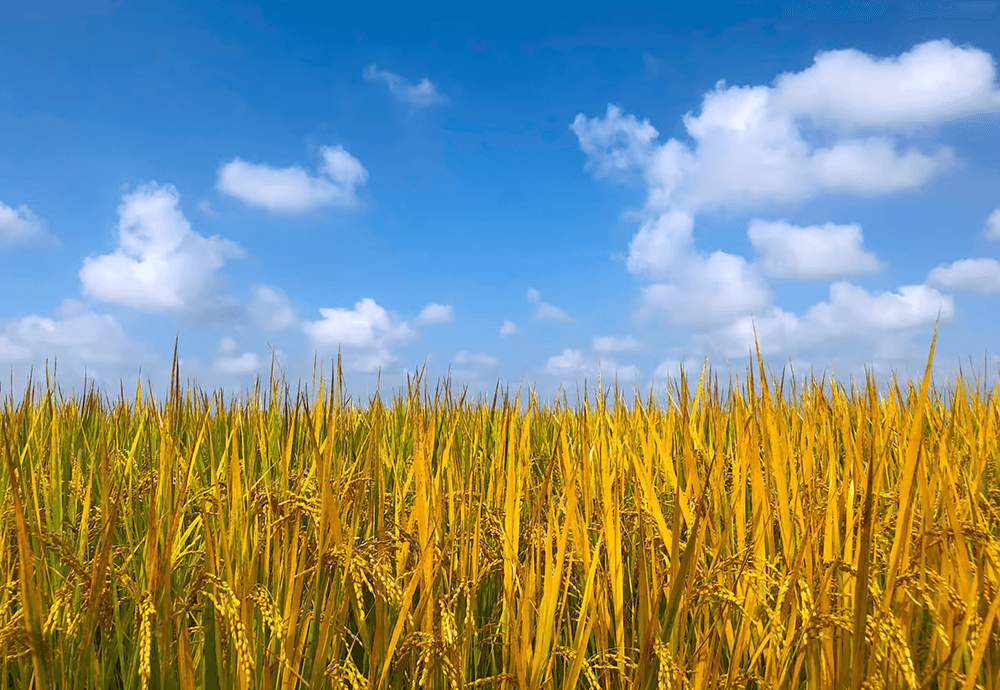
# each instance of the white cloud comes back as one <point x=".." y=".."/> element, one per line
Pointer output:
<point x="615" y="143"/>
<point x="368" y="327"/>
<point x="160" y="264"/>
<point x="436" y="313"/>
<point x="418" y="95"/>
<point x="851" y="311"/>
<point x="292" y="189"/>
<point x="547" y="312"/>
<point x="508" y="328"/>
<point x="608" y="369"/>
<point x="228" y="346"/>
<point x="244" y="364"/>
<point x="933" y="82"/>
<point x="270" y="309"/>
<point x="206" y="207"/>
<point x="759" y="145"/>
<point x="463" y="357"/>
<point x="77" y="337"/>
<point x="671" y="369"/>
<point x="661" y="243"/>
<point x="815" y="252"/>
<point x="569" y="361"/>
<point x="10" y="350"/>
<point x="749" y="148"/>
<point x="611" y="343"/>
<point x="707" y="292"/>
<point x="749" y="153"/>
<point x="993" y="225"/>
<point x="871" y="166"/>
<point x="972" y="275"/>
<point x="20" y="227"/>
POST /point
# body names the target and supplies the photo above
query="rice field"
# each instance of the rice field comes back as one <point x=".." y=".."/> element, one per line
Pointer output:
<point x="773" y="539"/>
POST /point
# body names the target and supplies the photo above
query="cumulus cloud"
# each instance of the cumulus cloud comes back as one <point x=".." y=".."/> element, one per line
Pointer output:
<point x="616" y="143"/>
<point x="967" y="275"/>
<point x="547" y="312"/>
<point x="748" y="144"/>
<point x="20" y="227"/>
<point x="436" y="313"/>
<point x="244" y="364"/>
<point x="572" y="362"/>
<point x="463" y="357"/>
<point x="508" y="328"/>
<point x="228" y="346"/>
<point x="706" y="292"/>
<point x="206" y="207"/>
<point x="933" y="82"/>
<point x="569" y="361"/>
<point x="368" y="329"/>
<point x="661" y="243"/>
<point x="993" y="225"/>
<point x="670" y="368"/>
<point x="78" y="339"/>
<point x="611" y="343"/>
<point x="610" y="369"/>
<point x="270" y="309"/>
<point x="419" y="95"/>
<point x="850" y="311"/>
<point x="809" y="133"/>
<point x="816" y="252"/>
<point x="161" y="264"/>
<point x="748" y="152"/>
<point x="292" y="189"/>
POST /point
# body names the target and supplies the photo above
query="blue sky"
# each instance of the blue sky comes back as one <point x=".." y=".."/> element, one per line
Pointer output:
<point x="531" y="196"/>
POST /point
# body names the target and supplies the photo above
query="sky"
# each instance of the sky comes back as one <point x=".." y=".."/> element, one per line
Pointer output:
<point x="528" y="198"/>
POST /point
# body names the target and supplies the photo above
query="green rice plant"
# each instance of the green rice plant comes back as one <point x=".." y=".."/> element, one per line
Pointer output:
<point x="768" y="540"/>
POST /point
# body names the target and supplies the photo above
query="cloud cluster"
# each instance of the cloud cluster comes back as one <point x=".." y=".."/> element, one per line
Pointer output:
<point x="753" y="146"/>
<point x="94" y="338"/>
<point x="850" y="312"/>
<point x="573" y="363"/>
<point x="749" y="148"/>
<point x="77" y="339"/>
<point x="292" y="189"/>
<point x="162" y="265"/>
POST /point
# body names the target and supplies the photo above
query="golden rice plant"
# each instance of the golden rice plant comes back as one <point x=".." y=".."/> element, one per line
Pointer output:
<point x="769" y="540"/>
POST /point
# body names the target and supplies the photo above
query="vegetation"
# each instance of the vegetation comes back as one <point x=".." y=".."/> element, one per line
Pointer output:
<point x="826" y="540"/>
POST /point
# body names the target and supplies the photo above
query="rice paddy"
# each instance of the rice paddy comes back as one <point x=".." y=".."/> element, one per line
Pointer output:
<point x="773" y="539"/>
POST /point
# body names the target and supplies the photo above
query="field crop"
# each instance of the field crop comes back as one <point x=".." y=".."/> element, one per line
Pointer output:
<point x="773" y="539"/>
